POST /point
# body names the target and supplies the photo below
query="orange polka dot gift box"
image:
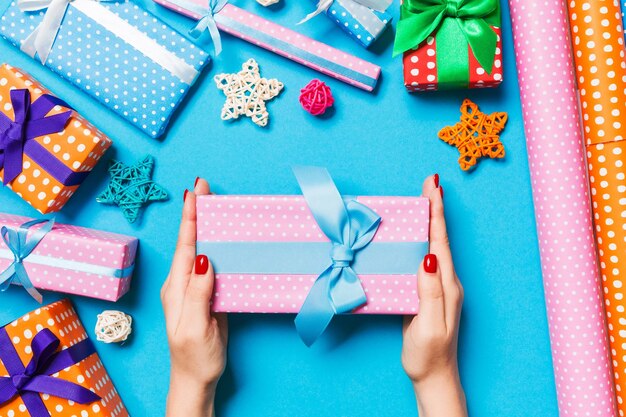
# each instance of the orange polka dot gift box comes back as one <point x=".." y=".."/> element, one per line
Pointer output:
<point x="46" y="148"/>
<point x="449" y="44"/>
<point x="42" y="254"/>
<point x="49" y="367"/>
<point x="317" y="255"/>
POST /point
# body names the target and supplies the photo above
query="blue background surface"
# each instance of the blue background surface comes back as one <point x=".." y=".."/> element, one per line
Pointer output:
<point x="383" y="143"/>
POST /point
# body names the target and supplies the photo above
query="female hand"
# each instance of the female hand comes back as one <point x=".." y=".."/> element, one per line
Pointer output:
<point x="429" y="351"/>
<point x="197" y="338"/>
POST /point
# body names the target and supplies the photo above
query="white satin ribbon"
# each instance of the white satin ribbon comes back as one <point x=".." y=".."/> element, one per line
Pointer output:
<point x="41" y="40"/>
<point x="323" y="5"/>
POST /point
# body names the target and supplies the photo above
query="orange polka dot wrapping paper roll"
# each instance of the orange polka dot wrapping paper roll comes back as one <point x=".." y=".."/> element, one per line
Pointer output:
<point x="18" y="340"/>
<point x="53" y="164"/>
<point x="599" y="56"/>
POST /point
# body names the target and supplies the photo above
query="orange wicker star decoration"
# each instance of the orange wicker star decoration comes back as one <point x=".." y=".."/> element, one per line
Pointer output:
<point x="477" y="135"/>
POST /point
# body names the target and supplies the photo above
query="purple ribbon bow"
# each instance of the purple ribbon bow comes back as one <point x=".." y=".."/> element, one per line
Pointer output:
<point x="30" y="122"/>
<point x="34" y="379"/>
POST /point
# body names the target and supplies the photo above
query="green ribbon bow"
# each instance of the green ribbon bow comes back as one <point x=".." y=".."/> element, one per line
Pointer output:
<point x="422" y="18"/>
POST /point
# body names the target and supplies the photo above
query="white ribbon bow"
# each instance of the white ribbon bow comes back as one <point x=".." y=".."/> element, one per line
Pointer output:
<point x="41" y="40"/>
<point x="323" y="5"/>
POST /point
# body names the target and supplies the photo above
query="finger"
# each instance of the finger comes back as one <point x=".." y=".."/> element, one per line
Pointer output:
<point x="166" y="284"/>
<point x="201" y="187"/>
<point x="199" y="292"/>
<point x="439" y="243"/>
<point x="430" y="293"/>
<point x="430" y="183"/>
<point x="186" y="245"/>
<point x="440" y="246"/>
<point x="183" y="261"/>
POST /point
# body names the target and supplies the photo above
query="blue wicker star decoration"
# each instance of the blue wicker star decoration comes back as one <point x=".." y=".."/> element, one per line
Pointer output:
<point x="132" y="187"/>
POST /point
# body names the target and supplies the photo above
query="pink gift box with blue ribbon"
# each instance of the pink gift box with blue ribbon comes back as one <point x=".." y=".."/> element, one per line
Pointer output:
<point x="318" y="254"/>
<point x="215" y="16"/>
<point x="42" y="254"/>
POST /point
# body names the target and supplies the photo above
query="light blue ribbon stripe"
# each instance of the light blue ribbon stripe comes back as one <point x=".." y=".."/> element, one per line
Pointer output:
<point x="309" y="258"/>
<point x="73" y="265"/>
<point x="295" y="51"/>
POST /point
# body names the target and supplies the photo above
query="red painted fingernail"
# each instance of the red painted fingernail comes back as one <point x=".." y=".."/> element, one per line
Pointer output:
<point x="196" y="182"/>
<point x="441" y="191"/>
<point x="202" y="264"/>
<point x="185" y="195"/>
<point x="430" y="263"/>
<point x="436" y="179"/>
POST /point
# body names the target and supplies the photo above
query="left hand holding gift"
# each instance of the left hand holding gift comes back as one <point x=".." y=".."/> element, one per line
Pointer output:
<point x="429" y="350"/>
<point x="197" y="338"/>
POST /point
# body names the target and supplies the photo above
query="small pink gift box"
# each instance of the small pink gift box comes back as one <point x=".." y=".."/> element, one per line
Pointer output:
<point x="283" y="41"/>
<point x="254" y="226"/>
<point x="75" y="260"/>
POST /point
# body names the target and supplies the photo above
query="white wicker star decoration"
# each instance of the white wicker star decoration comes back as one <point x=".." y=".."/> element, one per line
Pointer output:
<point x="246" y="93"/>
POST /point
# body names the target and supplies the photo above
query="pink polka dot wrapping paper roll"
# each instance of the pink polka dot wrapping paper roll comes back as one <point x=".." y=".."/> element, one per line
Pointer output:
<point x="60" y="319"/>
<point x="266" y="220"/>
<point x="76" y="260"/>
<point x="285" y="42"/>
<point x="578" y="335"/>
<point x="600" y="58"/>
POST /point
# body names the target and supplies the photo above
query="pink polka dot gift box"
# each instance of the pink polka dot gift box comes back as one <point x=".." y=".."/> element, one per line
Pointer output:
<point x="278" y="39"/>
<point x="41" y="254"/>
<point x="441" y="51"/>
<point x="49" y="368"/>
<point x="271" y="252"/>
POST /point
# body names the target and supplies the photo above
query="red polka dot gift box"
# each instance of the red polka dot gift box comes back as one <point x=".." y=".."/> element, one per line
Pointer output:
<point x="299" y="254"/>
<point x="449" y="44"/>
<point x="46" y="148"/>
<point x="49" y="368"/>
<point x="44" y="255"/>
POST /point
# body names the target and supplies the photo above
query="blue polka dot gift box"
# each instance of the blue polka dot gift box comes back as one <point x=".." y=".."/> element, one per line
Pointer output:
<point x="113" y="50"/>
<point x="363" y="20"/>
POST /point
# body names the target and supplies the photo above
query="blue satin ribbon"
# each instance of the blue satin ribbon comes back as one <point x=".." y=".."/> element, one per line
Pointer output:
<point x="309" y="258"/>
<point x="21" y="245"/>
<point x="350" y="226"/>
<point x="207" y="22"/>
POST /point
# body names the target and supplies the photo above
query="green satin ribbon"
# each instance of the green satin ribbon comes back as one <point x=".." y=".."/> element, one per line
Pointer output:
<point x="453" y="23"/>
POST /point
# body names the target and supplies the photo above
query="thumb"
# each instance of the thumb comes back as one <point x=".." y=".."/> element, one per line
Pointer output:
<point x="199" y="292"/>
<point x="430" y="292"/>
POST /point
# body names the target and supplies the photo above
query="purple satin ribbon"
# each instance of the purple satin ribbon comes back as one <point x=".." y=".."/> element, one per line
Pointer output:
<point x="34" y="379"/>
<point x="30" y="121"/>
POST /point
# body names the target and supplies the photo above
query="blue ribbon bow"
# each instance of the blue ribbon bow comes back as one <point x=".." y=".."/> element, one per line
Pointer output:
<point x="22" y="245"/>
<point x="208" y="23"/>
<point x="350" y="226"/>
<point x="35" y="379"/>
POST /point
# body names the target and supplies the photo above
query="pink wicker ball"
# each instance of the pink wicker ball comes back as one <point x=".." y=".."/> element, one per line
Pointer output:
<point x="316" y="97"/>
